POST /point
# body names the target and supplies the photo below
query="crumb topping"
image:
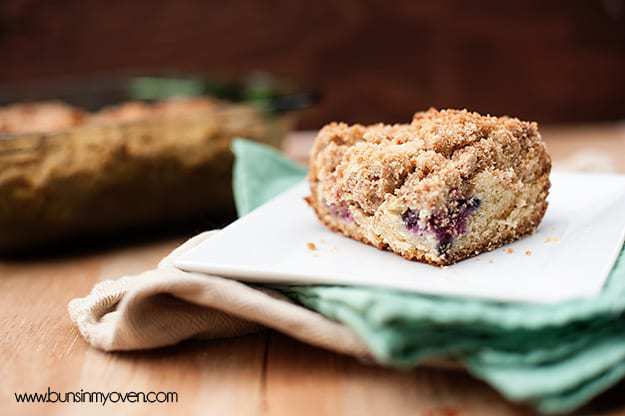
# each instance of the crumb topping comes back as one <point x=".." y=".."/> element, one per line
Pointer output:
<point x="421" y="161"/>
<point x="54" y="116"/>
<point x="448" y="185"/>
<point x="45" y="116"/>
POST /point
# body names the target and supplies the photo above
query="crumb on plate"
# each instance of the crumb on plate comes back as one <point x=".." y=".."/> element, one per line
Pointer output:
<point x="311" y="246"/>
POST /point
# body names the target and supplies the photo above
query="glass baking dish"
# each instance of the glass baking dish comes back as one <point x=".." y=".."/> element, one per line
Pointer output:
<point x="114" y="179"/>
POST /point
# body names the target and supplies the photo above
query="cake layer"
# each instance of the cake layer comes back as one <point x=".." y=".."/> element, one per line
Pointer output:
<point x="449" y="185"/>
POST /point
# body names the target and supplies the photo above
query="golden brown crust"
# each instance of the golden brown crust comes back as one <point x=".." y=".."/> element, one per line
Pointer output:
<point x="44" y="116"/>
<point x="363" y="178"/>
<point x="55" y="116"/>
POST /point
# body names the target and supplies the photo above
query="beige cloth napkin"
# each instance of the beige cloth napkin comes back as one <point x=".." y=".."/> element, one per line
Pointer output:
<point x="164" y="306"/>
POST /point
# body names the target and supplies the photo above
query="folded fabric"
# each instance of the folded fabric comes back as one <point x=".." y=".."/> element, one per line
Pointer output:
<point x="554" y="357"/>
<point x="164" y="306"/>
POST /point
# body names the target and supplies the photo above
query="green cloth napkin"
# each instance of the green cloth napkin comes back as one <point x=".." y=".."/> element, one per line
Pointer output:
<point x="555" y="357"/>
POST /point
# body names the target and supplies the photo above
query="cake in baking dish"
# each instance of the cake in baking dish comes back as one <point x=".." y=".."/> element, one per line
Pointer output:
<point x="449" y="185"/>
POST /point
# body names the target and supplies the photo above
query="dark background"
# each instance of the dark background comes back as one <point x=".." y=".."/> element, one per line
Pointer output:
<point x="551" y="61"/>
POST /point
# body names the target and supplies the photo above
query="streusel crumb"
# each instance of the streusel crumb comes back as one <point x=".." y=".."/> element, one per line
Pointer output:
<point x="447" y="186"/>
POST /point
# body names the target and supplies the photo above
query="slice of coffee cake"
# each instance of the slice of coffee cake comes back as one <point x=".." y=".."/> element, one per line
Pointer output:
<point x="447" y="186"/>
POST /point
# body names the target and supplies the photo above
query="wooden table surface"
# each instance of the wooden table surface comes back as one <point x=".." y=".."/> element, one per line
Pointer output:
<point x="266" y="373"/>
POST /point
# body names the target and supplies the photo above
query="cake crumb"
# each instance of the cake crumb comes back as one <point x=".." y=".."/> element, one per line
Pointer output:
<point x="508" y="250"/>
<point x="552" y="239"/>
<point x="311" y="246"/>
<point x="376" y="183"/>
<point x="528" y="252"/>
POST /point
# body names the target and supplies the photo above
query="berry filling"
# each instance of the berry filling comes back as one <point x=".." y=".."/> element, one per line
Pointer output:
<point x="445" y="226"/>
<point x="341" y="211"/>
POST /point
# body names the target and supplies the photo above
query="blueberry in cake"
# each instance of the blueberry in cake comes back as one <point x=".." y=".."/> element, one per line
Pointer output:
<point x="447" y="186"/>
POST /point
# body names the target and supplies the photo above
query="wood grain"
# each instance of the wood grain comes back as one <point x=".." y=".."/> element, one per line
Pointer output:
<point x="264" y="374"/>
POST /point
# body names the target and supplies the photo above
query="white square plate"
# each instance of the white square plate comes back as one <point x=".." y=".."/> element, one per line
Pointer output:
<point x="570" y="256"/>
